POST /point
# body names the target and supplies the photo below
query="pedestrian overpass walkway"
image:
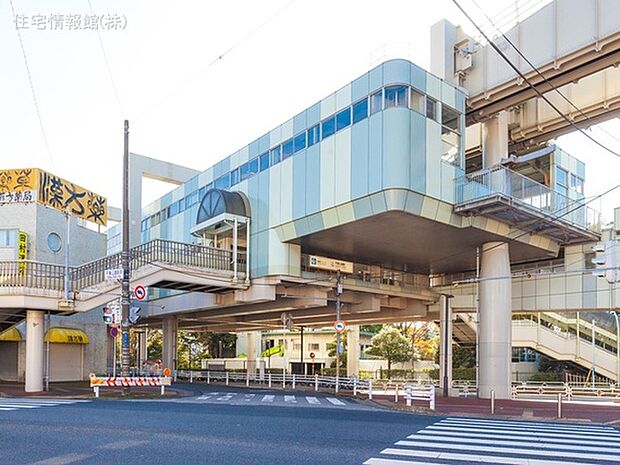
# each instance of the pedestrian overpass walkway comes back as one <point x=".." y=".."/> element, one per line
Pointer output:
<point x="557" y="336"/>
<point x="157" y="264"/>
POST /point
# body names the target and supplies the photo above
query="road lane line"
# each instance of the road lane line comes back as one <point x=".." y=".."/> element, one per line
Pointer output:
<point x="519" y="433"/>
<point x="335" y="401"/>
<point x="504" y="427"/>
<point x="249" y="397"/>
<point x="268" y="398"/>
<point x="121" y="445"/>
<point x="313" y="400"/>
<point x="290" y="399"/>
<point x="529" y="423"/>
<point x="63" y="459"/>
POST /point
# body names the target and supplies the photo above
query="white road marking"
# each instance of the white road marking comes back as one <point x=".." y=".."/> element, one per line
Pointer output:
<point x="477" y="457"/>
<point x="290" y="399"/>
<point x="335" y="401"/>
<point x="528" y="423"/>
<point x="461" y="428"/>
<point x="268" y="398"/>
<point x="7" y="409"/>
<point x="121" y="445"/>
<point x="514" y="435"/>
<point x="249" y="397"/>
<point x="528" y="443"/>
<point x="313" y="400"/>
<point x="525" y="426"/>
<point x="63" y="459"/>
<point x="374" y="461"/>
<point x="502" y="450"/>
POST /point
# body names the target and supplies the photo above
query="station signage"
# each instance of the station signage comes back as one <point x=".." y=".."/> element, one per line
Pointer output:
<point x="330" y="264"/>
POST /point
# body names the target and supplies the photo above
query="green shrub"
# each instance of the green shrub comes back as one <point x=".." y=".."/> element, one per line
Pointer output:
<point x="546" y="376"/>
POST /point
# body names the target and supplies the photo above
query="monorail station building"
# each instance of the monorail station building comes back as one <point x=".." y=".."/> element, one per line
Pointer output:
<point x="413" y="186"/>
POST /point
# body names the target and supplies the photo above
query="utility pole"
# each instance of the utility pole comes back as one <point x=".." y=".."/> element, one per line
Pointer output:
<point x="125" y="297"/>
<point x="301" y="355"/>
<point x="338" y="338"/>
<point x="593" y="352"/>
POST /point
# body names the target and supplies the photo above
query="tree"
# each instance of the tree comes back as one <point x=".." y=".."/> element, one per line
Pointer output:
<point x="391" y="345"/>
<point x="331" y="351"/>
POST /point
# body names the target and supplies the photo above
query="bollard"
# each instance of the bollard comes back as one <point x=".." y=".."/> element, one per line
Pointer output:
<point x="370" y="389"/>
<point x="293" y="380"/>
<point x="396" y="394"/>
<point x="226" y="378"/>
<point x="432" y="399"/>
<point x="409" y="395"/>
<point x="269" y="379"/>
<point x="316" y="382"/>
<point x="354" y="387"/>
<point x="208" y="377"/>
<point x="560" y="405"/>
<point x="191" y="376"/>
<point x="283" y="379"/>
<point x="163" y="389"/>
<point x="96" y="389"/>
<point x="247" y="379"/>
<point x="492" y="402"/>
<point x="337" y="384"/>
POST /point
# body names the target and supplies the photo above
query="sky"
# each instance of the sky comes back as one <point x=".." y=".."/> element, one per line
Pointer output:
<point x="200" y="79"/>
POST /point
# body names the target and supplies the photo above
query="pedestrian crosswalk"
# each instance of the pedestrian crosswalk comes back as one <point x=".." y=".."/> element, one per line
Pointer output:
<point x="463" y="440"/>
<point x="15" y="403"/>
<point x="261" y="398"/>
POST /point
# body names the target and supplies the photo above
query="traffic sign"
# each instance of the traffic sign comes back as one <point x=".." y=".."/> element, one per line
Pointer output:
<point x="114" y="273"/>
<point x="340" y="326"/>
<point x="166" y="372"/>
<point x="117" y="313"/>
<point x="312" y="355"/>
<point x="139" y="292"/>
<point x="113" y="331"/>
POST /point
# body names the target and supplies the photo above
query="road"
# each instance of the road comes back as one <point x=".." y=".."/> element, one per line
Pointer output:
<point x="225" y="425"/>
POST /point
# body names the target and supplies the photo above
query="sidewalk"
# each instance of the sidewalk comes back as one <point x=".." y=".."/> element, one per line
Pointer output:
<point x="595" y="412"/>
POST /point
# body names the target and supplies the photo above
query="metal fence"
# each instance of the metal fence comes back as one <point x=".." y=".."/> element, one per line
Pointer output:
<point x="529" y="193"/>
<point x="38" y="275"/>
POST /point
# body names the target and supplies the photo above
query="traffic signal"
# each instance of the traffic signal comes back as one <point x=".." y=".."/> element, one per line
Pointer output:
<point x="134" y="315"/>
<point x="605" y="261"/>
<point x="107" y="316"/>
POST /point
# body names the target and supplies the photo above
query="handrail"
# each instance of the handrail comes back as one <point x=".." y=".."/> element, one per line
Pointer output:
<point x="32" y="274"/>
<point x="499" y="180"/>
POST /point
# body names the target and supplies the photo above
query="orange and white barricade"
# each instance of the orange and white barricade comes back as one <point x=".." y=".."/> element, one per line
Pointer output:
<point x="97" y="382"/>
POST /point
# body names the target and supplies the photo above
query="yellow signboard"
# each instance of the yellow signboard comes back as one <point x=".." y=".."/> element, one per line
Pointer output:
<point x="22" y="251"/>
<point x="27" y="185"/>
<point x="331" y="264"/>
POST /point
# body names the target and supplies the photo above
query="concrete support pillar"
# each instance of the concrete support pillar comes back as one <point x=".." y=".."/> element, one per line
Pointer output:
<point x="251" y="353"/>
<point x="353" y="351"/>
<point x="34" y="351"/>
<point x="495" y="340"/>
<point x="495" y="139"/>
<point x="445" y="344"/>
<point x="142" y="349"/>
<point x="169" y="343"/>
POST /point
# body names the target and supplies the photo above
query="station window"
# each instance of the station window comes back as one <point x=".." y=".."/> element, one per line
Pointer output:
<point x="248" y="169"/>
<point x="264" y="161"/>
<point x="431" y="108"/>
<point x="276" y="155"/>
<point x="328" y="127"/>
<point x="143" y="227"/>
<point x="299" y="143"/>
<point x="376" y="102"/>
<point x="191" y="199"/>
<point x="450" y="118"/>
<point x="173" y="209"/>
<point x="314" y="135"/>
<point x="287" y="149"/>
<point x="234" y="177"/>
<point x="313" y="346"/>
<point x="450" y="147"/>
<point x="360" y="111"/>
<point x="223" y="182"/>
<point x="576" y="183"/>
<point x="416" y="101"/>
<point x="395" y="96"/>
<point x="343" y="119"/>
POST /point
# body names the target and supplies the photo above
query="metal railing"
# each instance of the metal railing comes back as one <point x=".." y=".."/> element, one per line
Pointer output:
<point x="528" y="193"/>
<point x="38" y="275"/>
<point x="568" y="390"/>
<point x="353" y="385"/>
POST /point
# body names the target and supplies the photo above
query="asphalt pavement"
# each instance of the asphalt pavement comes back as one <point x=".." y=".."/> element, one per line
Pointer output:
<point x="200" y="429"/>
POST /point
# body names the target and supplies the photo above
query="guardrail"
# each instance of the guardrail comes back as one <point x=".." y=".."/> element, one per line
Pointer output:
<point x="567" y="390"/>
<point x="411" y="391"/>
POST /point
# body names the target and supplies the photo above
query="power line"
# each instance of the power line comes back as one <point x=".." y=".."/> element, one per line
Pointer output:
<point x="216" y="60"/>
<point x="531" y="85"/>
<point x="107" y="64"/>
<point x="34" y="94"/>
<point x="537" y="71"/>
